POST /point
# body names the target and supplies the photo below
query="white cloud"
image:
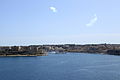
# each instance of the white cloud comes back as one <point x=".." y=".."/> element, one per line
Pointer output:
<point x="53" y="9"/>
<point x="92" y="21"/>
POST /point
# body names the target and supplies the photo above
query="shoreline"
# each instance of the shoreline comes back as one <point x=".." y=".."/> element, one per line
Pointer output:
<point x="22" y="55"/>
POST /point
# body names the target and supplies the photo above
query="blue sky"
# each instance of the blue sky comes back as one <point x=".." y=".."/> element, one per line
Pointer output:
<point x="27" y="22"/>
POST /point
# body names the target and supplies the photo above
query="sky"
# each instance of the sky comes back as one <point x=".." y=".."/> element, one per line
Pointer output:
<point x="34" y="22"/>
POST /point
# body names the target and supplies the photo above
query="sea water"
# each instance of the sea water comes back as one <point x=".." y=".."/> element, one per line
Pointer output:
<point x="70" y="66"/>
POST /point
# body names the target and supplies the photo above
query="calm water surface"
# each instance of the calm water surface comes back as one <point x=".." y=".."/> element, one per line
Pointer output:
<point x="71" y="66"/>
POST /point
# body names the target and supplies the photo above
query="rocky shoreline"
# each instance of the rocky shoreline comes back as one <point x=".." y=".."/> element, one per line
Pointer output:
<point x="23" y="55"/>
<point x="42" y="50"/>
<point x="22" y="51"/>
<point x="111" y="49"/>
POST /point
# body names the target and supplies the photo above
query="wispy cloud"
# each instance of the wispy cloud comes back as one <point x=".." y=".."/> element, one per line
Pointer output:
<point x="92" y="21"/>
<point x="53" y="9"/>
